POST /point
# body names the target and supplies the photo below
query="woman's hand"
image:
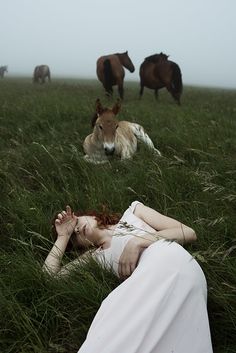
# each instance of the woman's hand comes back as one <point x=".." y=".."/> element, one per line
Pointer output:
<point x="65" y="223"/>
<point x="129" y="258"/>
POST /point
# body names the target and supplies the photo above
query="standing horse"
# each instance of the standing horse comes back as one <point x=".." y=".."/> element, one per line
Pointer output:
<point x="157" y="72"/>
<point x="110" y="71"/>
<point x="41" y="72"/>
<point x="3" y="69"/>
<point x="113" y="137"/>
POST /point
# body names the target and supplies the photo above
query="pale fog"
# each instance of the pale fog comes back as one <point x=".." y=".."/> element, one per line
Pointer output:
<point x="70" y="35"/>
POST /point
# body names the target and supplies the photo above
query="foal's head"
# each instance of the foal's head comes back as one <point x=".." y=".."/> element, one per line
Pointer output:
<point x="105" y="125"/>
<point x="126" y="61"/>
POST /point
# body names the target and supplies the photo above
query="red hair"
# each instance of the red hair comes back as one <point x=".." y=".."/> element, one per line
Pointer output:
<point x="104" y="219"/>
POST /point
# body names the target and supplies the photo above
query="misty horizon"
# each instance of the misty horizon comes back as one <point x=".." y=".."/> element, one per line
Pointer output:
<point x="198" y="36"/>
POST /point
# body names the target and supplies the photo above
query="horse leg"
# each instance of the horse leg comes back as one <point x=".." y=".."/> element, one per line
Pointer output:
<point x="141" y="135"/>
<point x="92" y="160"/>
<point x="156" y="94"/>
<point x="141" y="91"/>
<point x="121" y="90"/>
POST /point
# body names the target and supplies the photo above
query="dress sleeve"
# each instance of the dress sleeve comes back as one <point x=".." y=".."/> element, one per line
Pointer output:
<point x="133" y="205"/>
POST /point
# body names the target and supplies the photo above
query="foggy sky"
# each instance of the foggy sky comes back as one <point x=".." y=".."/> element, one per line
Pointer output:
<point x="69" y="36"/>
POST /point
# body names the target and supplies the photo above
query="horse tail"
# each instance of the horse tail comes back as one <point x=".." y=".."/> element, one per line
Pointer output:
<point x="108" y="76"/>
<point x="177" y="79"/>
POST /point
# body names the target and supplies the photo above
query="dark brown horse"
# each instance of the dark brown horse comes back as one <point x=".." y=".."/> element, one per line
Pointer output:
<point x="157" y="72"/>
<point x="110" y="71"/>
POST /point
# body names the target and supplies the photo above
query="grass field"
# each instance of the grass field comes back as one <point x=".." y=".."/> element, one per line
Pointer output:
<point x="42" y="169"/>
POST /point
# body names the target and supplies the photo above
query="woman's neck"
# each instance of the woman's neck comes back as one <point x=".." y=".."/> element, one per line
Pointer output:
<point x="105" y="236"/>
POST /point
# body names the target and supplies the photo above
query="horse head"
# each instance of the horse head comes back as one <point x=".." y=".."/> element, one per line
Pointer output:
<point x="106" y="125"/>
<point x="126" y="61"/>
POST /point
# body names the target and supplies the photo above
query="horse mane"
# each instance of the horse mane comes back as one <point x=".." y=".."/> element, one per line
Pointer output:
<point x="155" y="58"/>
<point x="125" y="52"/>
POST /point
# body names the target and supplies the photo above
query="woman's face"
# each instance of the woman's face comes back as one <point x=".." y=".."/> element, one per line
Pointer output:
<point x="85" y="230"/>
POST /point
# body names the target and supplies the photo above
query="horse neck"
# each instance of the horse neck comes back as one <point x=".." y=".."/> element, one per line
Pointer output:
<point x="121" y="59"/>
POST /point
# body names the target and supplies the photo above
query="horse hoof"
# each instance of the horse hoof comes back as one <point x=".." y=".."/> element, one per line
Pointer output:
<point x="157" y="152"/>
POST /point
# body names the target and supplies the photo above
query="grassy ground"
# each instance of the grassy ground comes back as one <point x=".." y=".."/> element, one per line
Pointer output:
<point x="42" y="169"/>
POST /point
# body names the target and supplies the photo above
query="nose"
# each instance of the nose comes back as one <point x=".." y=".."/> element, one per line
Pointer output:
<point x="109" y="151"/>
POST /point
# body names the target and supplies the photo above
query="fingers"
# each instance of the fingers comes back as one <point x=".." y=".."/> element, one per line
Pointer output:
<point x="125" y="270"/>
<point x="132" y="268"/>
<point x="64" y="216"/>
<point x="68" y="210"/>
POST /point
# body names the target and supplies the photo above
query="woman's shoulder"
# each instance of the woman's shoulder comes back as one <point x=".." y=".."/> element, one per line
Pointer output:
<point x="129" y="213"/>
<point x="133" y="206"/>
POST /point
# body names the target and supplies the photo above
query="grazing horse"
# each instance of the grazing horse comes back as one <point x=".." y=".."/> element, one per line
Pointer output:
<point x="41" y="72"/>
<point x="157" y="72"/>
<point x="3" y="69"/>
<point x="110" y="71"/>
<point x="112" y="137"/>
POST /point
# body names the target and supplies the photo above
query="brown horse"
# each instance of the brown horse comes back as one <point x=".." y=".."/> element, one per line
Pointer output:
<point x="157" y="72"/>
<point x="110" y="71"/>
<point x="41" y="72"/>
<point x="112" y="137"/>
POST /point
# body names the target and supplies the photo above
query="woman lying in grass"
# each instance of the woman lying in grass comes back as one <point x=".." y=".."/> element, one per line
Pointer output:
<point x="161" y="304"/>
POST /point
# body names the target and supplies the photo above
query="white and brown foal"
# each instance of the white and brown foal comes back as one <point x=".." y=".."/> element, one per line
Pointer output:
<point x="113" y="137"/>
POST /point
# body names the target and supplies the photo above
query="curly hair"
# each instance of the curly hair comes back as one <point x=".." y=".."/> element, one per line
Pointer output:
<point x="103" y="218"/>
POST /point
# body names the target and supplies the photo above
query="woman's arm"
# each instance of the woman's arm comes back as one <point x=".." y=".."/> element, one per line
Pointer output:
<point x="166" y="228"/>
<point x="52" y="264"/>
<point x="64" y="224"/>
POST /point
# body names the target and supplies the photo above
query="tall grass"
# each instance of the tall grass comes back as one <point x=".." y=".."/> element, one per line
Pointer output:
<point x="42" y="169"/>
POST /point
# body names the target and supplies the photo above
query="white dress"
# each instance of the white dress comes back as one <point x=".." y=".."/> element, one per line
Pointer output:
<point x="160" y="308"/>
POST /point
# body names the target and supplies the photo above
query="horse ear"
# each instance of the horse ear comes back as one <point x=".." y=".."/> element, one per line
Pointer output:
<point x="98" y="106"/>
<point x="117" y="107"/>
<point x="94" y="119"/>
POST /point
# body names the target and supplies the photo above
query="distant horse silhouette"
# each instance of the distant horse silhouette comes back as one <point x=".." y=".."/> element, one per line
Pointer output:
<point x="3" y="69"/>
<point x="110" y="71"/>
<point x="41" y="72"/>
<point x="112" y="137"/>
<point x="157" y="72"/>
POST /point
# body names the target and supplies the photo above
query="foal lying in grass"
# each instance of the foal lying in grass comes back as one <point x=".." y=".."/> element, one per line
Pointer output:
<point x="113" y="137"/>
